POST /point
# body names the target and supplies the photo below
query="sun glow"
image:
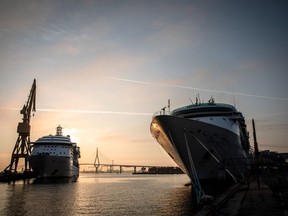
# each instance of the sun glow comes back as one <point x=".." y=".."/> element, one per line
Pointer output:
<point x="72" y="132"/>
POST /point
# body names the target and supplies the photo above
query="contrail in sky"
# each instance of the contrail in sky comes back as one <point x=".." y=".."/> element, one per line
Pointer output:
<point x="83" y="111"/>
<point x="94" y="112"/>
<point x="197" y="89"/>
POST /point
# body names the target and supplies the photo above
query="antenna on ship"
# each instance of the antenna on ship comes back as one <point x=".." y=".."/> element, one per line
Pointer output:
<point x="163" y="109"/>
<point x="198" y="100"/>
<point x="234" y="98"/>
<point x="169" y="105"/>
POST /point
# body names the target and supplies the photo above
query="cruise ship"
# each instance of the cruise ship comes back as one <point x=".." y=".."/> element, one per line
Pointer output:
<point x="208" y="141"/>
<point x="55" y="156"/>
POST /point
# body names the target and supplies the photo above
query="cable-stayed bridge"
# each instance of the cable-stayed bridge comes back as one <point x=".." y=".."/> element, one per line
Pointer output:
<point x="111" y="166"/>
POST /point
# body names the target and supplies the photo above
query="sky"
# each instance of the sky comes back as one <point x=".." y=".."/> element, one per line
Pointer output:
<point x="103" y="68"/>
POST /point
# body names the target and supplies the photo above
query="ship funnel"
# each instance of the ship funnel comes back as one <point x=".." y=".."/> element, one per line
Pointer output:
<point x="59" y="131"/>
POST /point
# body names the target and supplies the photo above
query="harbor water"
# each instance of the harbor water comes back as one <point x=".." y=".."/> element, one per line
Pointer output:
<point x="99" y="194"/>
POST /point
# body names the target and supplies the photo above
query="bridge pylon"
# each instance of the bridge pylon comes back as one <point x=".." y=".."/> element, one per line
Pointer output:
<point x="97" y="161"/>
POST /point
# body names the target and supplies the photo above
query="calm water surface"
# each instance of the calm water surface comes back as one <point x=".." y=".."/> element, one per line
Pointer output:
<point x="99" y="194"/>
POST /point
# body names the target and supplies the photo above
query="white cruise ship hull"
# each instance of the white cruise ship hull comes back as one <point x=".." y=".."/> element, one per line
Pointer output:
<point x="202" y="150"/>
<point x="50" y="166"/>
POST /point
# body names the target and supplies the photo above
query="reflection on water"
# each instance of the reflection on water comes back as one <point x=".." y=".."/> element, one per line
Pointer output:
<point x="54" y="180"/>
<point x="99" y="194"/>
<point x="39" y="199"/>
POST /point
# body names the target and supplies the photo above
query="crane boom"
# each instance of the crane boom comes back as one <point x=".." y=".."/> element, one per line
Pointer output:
<point x="30" y="104"/>
<point x="22" y="148"/>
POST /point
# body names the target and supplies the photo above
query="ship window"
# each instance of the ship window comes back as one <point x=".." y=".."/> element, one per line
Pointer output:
<point x="224" y="119"/>
<point x="211" y="118"/>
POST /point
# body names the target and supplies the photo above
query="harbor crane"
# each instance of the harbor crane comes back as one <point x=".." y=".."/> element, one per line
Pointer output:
<point x="22" y="147"/>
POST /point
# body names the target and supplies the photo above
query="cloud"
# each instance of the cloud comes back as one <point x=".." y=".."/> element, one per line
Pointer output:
<point x="65" y="48"/>
<point x="23" y="16"/>
<point x="171" y="37"/>
<point x="251" y="65"/>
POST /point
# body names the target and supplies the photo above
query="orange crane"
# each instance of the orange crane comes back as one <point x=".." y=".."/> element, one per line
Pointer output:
<point x="22" y="147"/>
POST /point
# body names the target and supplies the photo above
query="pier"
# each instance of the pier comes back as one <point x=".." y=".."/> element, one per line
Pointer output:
<point x="14" y="176"/>
<point x="250" y="199"/>
<point x="265" y="192"/>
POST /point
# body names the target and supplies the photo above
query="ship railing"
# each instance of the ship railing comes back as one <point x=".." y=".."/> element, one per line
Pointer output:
<point x="206" y="105"/>
<point x="161" y="112"/>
